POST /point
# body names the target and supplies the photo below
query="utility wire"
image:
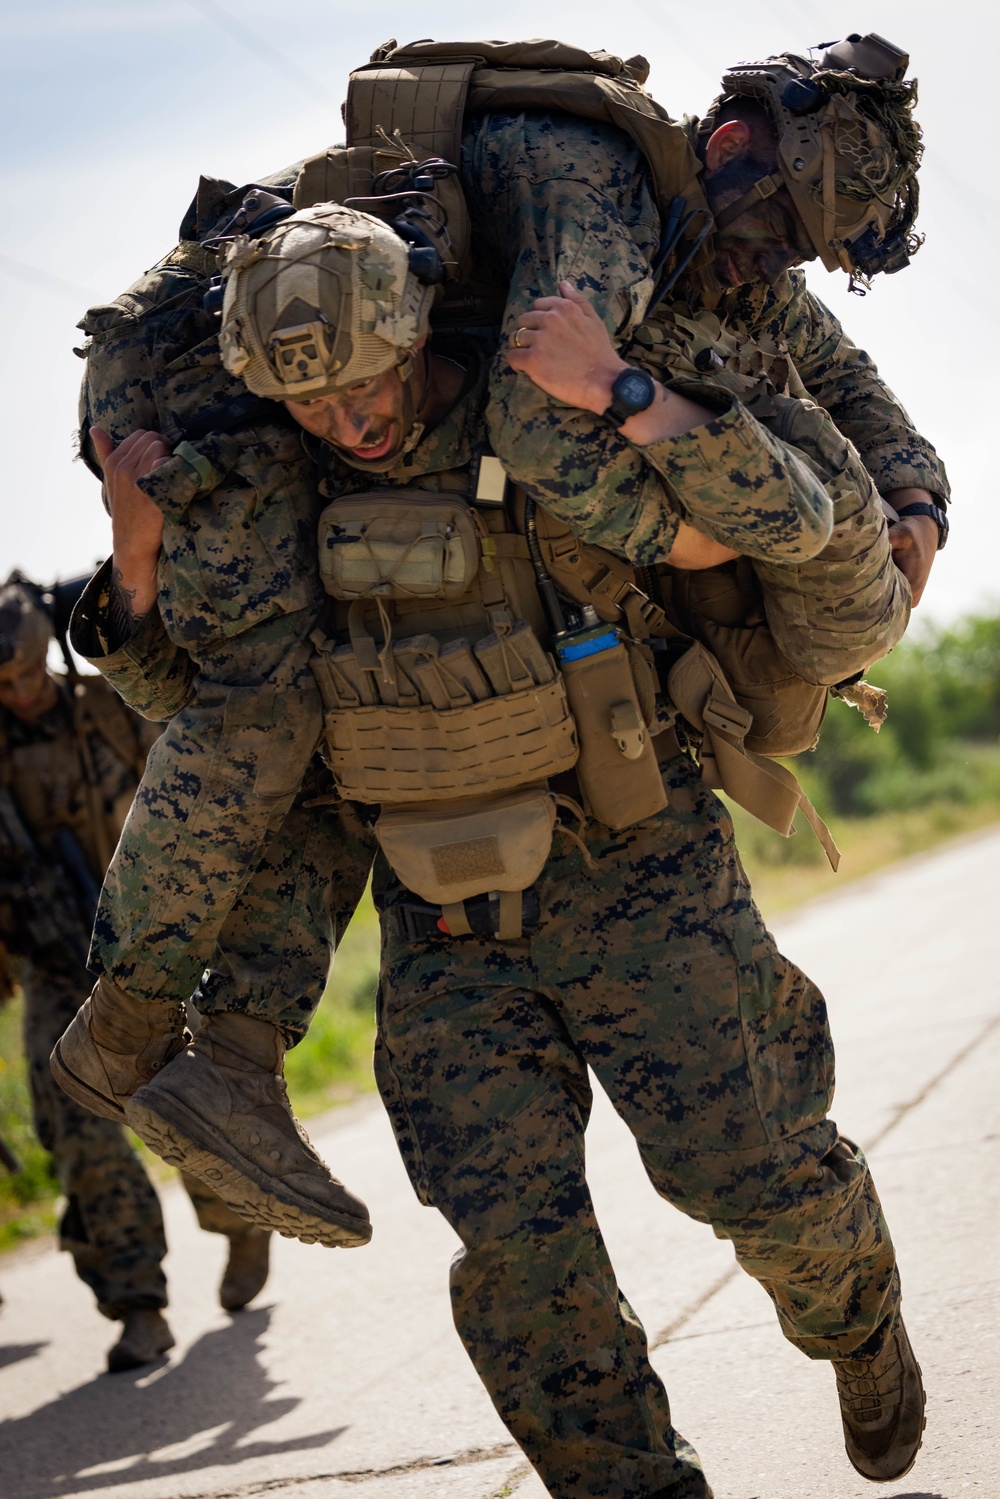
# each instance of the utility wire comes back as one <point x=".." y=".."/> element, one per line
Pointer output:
<point x="238" y="31"/>
<point x="44" y="280"/>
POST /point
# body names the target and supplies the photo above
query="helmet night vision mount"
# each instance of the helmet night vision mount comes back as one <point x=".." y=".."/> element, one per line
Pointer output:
<point x="848" y="149"/>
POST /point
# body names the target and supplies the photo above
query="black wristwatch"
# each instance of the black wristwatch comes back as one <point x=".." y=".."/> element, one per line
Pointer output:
<point x="937" y="514"/>
<point x="631" y="393"/>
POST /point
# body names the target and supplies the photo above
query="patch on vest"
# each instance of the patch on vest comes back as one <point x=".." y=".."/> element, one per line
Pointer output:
<point x="474" y="859"/>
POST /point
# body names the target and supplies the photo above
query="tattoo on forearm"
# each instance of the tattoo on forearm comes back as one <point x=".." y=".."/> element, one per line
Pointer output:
<point x="123" y="619"/>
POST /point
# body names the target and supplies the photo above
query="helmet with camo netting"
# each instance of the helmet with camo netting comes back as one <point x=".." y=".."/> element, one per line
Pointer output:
<point x="848" y="149"/>
<point x="25" y="629"/>
<point x="324" y="300"/>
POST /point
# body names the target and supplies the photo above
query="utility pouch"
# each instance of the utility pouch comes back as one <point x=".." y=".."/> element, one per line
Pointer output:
<point x="393" y="545"/>
<point x="617" y="769"/>
<point x="448" y="854"/>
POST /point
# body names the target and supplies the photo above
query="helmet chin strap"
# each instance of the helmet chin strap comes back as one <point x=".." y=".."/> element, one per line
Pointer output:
<point x="763" y="188"/>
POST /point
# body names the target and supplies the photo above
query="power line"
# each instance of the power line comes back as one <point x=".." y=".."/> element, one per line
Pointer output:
<point x="44" y="280"/>
<point x="241" y="33"/>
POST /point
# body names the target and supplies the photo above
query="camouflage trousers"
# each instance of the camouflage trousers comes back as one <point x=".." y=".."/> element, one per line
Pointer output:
<point x="657" y="972"/>
<point x="112" y="1224"/>
<point x="215" y="868"/>
<point x="224" y="886"/>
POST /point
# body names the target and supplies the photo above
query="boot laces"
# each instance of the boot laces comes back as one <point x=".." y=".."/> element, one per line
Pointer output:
<point x="870" y="1388"/>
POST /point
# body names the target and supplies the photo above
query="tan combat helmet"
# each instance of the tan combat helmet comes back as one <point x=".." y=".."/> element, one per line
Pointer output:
<point x="25" y="629"/>
<point x="325" y="299"/>
<point x="848" y="149"/>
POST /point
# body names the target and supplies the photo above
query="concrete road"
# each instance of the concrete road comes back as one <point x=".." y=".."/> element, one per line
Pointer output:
<point x="348" y="1379"/>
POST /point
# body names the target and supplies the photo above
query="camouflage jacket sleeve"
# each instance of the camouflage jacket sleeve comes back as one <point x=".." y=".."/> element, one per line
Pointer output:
<point x="842" y="377"/>
<point x="737" y="481"/>
<point x="565" y="198"/>
<point x="837" y="613"/>
<point x="149" y="672"/>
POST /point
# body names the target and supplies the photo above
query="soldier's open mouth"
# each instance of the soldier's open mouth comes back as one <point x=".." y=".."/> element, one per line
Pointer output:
<point x="380" y="449"/>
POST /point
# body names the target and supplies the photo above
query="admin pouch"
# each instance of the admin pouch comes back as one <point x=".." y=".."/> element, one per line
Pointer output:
<point x="399" y="544"/>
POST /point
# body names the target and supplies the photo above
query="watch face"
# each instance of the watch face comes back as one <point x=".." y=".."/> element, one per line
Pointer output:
<point x="633" y="389"/>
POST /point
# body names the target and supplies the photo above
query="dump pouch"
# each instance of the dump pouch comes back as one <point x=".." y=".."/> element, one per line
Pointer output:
<point x="700" y="692"/>
<point x="447" y="854"/>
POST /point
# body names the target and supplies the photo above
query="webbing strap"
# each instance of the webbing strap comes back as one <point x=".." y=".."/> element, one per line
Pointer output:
<point x="769" y="792"/>
<point x="509" y="923"/>
<point x="762" y="189"/>
<point x="455" y="919"/>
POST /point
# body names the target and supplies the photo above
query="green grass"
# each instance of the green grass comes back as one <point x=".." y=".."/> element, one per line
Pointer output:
<point x="334" y="1062"/>
<point x="27" y="1201"/>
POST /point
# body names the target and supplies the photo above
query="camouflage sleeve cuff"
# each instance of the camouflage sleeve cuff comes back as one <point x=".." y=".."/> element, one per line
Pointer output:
<point x="913" y="468"/>
<point x="149" y="672"/>
<point x="736" y="481"/>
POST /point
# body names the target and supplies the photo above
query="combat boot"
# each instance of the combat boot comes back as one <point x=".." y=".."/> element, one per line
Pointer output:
<point x="882" y="1408"/>
<point x="246" y="1270"/>
<point x="145" y="1335"/>
<point x="220" y="1111"/>
<point x="113" y="1045"/>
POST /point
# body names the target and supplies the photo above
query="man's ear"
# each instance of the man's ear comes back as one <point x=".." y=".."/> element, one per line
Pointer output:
<point x="724" y="145"/>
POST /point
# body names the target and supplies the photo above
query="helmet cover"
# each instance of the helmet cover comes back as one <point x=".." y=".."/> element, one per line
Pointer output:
<point x="325" y="300"/>
<point x="848" y="147"/>
<point x="25" y="629"/>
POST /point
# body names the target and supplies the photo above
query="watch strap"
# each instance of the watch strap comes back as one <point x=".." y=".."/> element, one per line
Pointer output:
<point x="936" y="513"/>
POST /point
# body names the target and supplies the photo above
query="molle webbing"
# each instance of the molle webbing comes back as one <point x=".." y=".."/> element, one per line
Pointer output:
<point x="425" y="104"/>
<point x="425" y="90"/>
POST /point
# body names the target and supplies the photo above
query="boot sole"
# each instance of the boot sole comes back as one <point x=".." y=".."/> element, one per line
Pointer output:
<point x="81" y="1092"/>
<point x="268" y="1204"/>
<point x="123" y="1362"/>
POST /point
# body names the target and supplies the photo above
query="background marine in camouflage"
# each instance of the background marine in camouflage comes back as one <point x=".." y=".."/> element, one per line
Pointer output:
<point x="71" y="760"/>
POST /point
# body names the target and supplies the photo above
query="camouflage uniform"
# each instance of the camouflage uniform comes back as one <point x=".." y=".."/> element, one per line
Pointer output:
<point x="272" y="953"/>
<point x="656" y="970"/>
<point x="112" y="1223"/>
<point x="539" y="221"/>
<point x="239" y="595"/>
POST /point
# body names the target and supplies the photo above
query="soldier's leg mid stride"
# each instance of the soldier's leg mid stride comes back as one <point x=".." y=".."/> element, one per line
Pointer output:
<point x="657" y="972"/>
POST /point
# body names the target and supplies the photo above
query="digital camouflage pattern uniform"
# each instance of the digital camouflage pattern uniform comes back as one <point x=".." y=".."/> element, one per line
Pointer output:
<point x="555" y="198"/>
<point x="656" y="969"/>
<point x="112" y="1223"/>
<point x="239" y="595"/>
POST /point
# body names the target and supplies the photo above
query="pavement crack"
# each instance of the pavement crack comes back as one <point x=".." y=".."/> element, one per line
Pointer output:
<point x="672" y="1328"/>
<point x="364" y="1475"/>
<point x="924" y="1093"/>
<point x="669" y="1333"/>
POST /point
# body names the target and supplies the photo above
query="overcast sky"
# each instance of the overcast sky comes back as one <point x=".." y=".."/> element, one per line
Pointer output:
<point x="111" y="111"/>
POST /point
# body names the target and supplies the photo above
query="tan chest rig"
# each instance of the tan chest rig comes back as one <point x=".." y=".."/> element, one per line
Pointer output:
<point x="445" y="706"/>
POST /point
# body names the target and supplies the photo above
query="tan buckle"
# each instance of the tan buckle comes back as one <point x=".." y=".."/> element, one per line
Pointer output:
<point x="724" y="714"/>
<point x="628" y="729"/>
